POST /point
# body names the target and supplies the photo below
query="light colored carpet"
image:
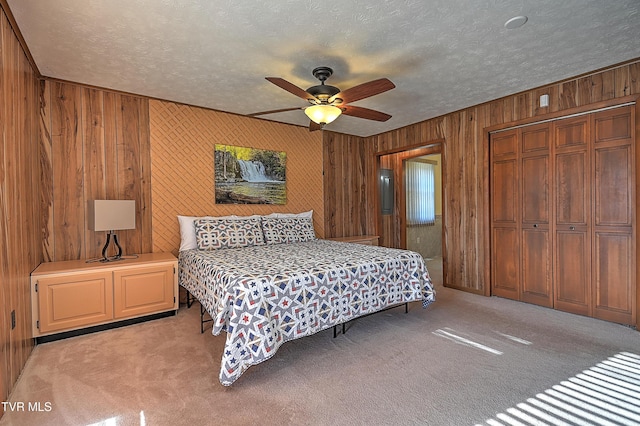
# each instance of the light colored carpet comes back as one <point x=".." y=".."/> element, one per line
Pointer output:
<point x="462" y="361"/>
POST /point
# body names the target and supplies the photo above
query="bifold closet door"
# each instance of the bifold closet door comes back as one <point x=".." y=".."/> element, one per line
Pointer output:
<point x="536" y="271"/>
<point x="563" y="197"/>
<point x="505" y="226"/>
<point x="613" y="268"/>
<point x="572" y="200"/>
<point x="521" y="211"/>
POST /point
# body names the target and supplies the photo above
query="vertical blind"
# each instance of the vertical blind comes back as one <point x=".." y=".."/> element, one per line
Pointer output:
<point x="420" y="190"/>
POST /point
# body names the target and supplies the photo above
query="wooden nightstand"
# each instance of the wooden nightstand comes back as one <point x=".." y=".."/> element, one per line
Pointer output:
<point x="370" y="240"/>
<point x="74" y="295"/>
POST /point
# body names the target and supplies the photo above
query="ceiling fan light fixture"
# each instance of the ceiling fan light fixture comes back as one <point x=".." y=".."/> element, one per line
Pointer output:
<point x="322" y="114"/>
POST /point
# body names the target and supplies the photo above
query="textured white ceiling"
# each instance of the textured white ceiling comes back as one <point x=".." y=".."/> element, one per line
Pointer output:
<point x="442" y="55"/>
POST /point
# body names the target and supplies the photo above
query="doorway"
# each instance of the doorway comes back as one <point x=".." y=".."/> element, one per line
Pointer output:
<point x="392" y="227"/>
<point x="424" y="234"/>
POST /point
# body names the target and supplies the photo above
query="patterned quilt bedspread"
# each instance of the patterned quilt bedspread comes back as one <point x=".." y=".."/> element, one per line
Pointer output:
<point x="263" y="296"/>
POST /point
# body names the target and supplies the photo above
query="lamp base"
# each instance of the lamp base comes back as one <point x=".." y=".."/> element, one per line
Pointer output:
<point x="105" y="249"/>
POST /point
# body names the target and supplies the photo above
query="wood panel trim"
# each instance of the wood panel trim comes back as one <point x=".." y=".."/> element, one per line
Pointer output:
<point x="16" y="31"/>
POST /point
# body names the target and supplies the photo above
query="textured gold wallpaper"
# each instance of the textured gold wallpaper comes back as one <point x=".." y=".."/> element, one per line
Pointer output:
<point x="182" y="174"/>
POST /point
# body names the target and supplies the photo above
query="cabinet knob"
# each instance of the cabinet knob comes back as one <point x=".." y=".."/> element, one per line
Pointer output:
<point x="572" y="228"/>
<point x="535" y="225"/>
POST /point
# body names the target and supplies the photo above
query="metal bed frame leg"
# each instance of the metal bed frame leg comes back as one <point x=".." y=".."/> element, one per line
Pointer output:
<point x="201" y="319"/>
<point x="335" y="327"/>
<point x="190" y="301"/>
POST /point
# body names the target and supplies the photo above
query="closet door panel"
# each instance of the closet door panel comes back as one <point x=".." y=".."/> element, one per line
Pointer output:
<point x="572" y="205"/>
<point x="505" y="246"/>
<point x="505" y="263"/>
<point x="536" y="267"/>
<point x="572" y="278"/>
<point x="504" y="144"/>
<point x="535" y="138"/>
<point x="535" y="179"/>
<point x="571" y="190"/>
<point x="614" y="186"/>
<point x="614" y="124"/>
<point x="614" y="265"/>
<point x="505" y="192"/>
<point x="572" y="133"/>
<point x="535" y="190"/>
<point x="613" y="278"/>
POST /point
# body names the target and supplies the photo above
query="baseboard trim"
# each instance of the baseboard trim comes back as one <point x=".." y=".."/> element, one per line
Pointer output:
<point x="102" y="327"/>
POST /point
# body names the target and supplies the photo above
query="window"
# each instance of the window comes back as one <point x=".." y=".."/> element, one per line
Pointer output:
<point x="420" y="190"/>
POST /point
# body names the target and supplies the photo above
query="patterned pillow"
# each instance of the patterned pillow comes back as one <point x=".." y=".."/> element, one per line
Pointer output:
<point x="188" y="230"/>
<point x="287" y="230"/>
<point x="213" y="234"/>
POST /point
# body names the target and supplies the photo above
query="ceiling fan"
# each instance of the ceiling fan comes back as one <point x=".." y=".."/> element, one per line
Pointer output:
<point x="328" y="102"/>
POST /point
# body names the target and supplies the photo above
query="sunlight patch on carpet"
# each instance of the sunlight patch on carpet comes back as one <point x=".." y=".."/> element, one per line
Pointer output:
<point x="464" y="341"/>
<point x="111" y="421"/>
<point x="515" y="339"/>
<point x="607" y="394"/>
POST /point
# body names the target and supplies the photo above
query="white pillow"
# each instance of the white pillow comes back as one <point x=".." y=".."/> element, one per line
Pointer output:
<point x="188" y="230"/>
<point x="308" y="214"/>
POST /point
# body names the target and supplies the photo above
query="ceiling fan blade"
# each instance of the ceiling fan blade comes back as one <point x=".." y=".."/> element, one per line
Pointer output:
<point x="291" y="88"/>
<point x="313" y="126"/>
<point x="273" y="111"/>
<point x="366" y="113"/>
<point x="364" y="90"/>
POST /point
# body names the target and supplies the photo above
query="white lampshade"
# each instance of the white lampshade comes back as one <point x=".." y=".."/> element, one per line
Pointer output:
<point x="322" y="113"/>
<point x="112" y="215"/>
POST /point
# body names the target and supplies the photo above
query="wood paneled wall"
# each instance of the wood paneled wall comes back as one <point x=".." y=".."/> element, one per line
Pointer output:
<point x="20" y="236"/>
<point x="95" y="146"/>
<point x="465" y="174"/>
<point x="348" y="207"/>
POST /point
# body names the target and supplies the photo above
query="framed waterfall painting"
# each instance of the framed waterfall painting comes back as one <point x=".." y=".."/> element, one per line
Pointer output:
<point x="249" y="175"/>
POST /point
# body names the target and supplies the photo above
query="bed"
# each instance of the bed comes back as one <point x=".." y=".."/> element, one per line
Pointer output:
<point x="269" y="280"/>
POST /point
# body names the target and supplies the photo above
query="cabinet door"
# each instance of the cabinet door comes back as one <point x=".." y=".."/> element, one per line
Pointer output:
<point x="74" y="301"/>
<point x="144" y="290"/>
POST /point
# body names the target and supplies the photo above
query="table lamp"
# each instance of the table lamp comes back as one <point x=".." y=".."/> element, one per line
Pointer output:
<point x="111" y="216"/>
